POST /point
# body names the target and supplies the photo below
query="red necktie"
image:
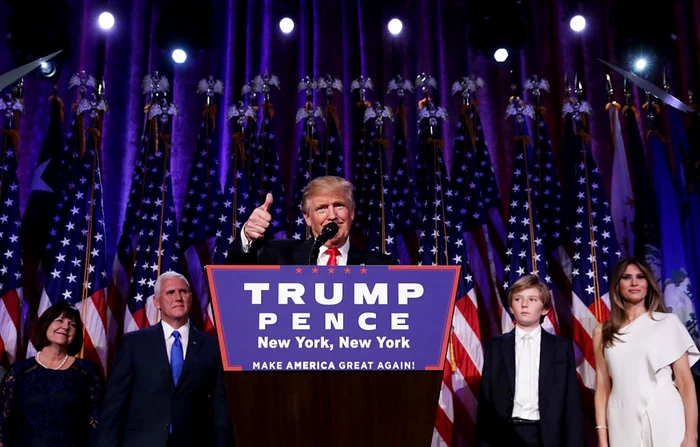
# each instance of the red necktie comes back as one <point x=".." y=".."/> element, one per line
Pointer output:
<point x="332" y="253"/>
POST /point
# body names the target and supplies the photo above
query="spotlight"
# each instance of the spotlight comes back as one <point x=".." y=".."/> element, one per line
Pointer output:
<point x="500" y="55"/>
<point x="179" y="56"/>
<point x="395" y="26"/>
<point x="640" y="64"/>
<point x="47" y="69"/>
<point x="106" y="20"/>
<point x="578" y="23"/>
<point x="287" y="25"/>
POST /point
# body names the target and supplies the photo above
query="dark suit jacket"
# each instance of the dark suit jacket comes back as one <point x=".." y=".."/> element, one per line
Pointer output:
<point x="294" y="252"/>
<point x="560" y="407"/>
<point x="141" y="400"/>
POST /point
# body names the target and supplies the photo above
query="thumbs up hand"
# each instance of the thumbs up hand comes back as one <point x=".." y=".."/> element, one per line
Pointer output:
<point x="259" y="220"/>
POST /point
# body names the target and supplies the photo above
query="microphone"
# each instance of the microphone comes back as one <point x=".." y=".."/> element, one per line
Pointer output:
<point x="328" y="232"/>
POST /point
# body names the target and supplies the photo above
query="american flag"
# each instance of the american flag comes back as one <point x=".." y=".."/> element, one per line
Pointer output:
<point x="361" y="183"/>
<point x="455" y="420"/>
<point x="402" y="189"/>
<point x="469" y="211"/>
<point x="236" y="204"/>
<point x="489" y="188"/>
<point x="472" y="175"/>
<point x="270" y="172"/>
<point x="378" y="229"/>
<point x="525" y="246"/>
<point x="123" y="265"/>
<point x="265" y="164"/>
<point x="202" y="210"/>
<point x="468" y="171"/>
<point x="547" y="198"/>
<point x="364" y="156"/>
<point x="157" y="250"/>
<point x="308" y="150"/>
<point x="253" y="151"/>
<point x="70" y="161"/>
<point x="442" y="243"/>
<point x="402" y="185"/>
<point x="595" y="246"/>
<point x="10" y="241"/>
<point x="432" y="173"/>
<point x="123" y="268"/>
<point x="77" y="272"/>
<point x="40" y="210"/>
<point x="493" y="231"/>
<point x="331" y="160"/>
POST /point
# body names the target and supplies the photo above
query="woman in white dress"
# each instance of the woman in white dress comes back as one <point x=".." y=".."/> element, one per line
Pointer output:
<point x="645" y="394"/>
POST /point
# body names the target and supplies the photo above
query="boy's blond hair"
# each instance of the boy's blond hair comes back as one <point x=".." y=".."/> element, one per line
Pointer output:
<point x="530" y="282"/>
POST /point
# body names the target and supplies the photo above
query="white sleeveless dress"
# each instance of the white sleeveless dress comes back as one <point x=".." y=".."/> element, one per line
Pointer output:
<point x="645" y="408"/>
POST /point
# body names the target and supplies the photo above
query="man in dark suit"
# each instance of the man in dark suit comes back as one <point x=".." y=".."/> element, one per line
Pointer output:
<point x="326" y="199"/>
<point x="529" y="391"/>
<point x="167" y="384"/>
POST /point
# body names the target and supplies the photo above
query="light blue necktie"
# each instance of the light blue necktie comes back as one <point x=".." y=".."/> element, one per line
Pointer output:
<point x="177" y="357"/>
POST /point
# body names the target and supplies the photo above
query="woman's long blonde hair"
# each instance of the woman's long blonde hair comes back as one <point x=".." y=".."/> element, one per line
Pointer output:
<point x="653" y="302"/>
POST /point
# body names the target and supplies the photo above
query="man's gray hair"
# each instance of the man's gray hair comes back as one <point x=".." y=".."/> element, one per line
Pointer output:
<point x="167" y="275"/>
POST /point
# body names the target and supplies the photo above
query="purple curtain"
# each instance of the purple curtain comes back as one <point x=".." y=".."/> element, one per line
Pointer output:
<point x="345" y="38"/>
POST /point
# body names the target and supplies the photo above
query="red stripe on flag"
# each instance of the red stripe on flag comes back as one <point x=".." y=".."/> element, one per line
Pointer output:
<point x="9" y="352"/>
<point x="584" y="342"/>
<point x="140" y="318"/>
<point x="90" y="353"/>
<point x="100" y="303"/>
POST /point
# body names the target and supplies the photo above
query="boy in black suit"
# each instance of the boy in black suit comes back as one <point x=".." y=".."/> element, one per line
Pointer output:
<point x="529" y="391"/>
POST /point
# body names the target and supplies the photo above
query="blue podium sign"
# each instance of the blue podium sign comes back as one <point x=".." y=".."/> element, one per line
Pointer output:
<point x="290" y="318"/>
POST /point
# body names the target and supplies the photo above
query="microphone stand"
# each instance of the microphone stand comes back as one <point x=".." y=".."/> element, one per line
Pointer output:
<point x="328" y="232"/>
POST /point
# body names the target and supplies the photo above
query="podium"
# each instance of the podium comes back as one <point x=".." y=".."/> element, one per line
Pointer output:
<point x="376" y="379"/>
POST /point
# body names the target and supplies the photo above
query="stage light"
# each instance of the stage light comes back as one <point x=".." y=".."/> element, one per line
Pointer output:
<point x="179" y="56"/>
<point x="578" y="23"/>
<point x="500" y="55"/>
<point x="640" y="64"/>
<point x="106" y="20"/>
<point x="395" y="26"/>
<point x="47" y="69"/>
<point x="287" y="25"/>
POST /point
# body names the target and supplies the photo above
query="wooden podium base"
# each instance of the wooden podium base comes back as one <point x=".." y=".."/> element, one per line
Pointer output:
<point x="333" y="409"/>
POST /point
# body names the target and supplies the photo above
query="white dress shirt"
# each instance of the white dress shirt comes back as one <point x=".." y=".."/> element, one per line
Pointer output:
<point x="526" y="403"/>
<point x="245" y="243"/>
<point x="341" y="259"/>
<point x="169" y="339"/>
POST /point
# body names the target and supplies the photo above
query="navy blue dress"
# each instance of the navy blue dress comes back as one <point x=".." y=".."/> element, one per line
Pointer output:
<point x="44" y="407"/>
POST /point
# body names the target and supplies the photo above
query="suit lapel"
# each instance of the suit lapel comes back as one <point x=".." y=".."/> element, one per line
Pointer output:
<point x="546" y="356"/>
<point x="161" y="352"/>
<point x="509" y="358"/>
<point x="193" y="345"/>
<point x="302" y="252"/>
<point x="355" y="256"/>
